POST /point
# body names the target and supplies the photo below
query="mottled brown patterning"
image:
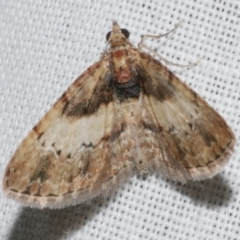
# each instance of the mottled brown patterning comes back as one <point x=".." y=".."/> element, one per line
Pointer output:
<point x="127" y="112"/>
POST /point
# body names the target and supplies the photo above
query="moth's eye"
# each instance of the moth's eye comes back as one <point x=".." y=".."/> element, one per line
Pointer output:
<point x="125" y="32"/>
<point x="108" y="35"/>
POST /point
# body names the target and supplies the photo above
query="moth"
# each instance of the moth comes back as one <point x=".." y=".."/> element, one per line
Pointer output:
<point x="126" y="113"/>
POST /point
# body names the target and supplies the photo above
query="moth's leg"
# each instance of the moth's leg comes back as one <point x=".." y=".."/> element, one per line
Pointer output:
<point x="141" y="45"/>
<point x="104" y="53"/>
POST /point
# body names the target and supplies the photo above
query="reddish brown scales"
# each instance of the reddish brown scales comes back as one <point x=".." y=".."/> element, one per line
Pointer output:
<point x="119" y="54"/>
<point x="120" y="65"/>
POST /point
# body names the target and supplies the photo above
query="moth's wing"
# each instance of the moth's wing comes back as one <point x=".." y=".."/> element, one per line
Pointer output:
<point x="65" y="158"/>
<point x="189" y="140"/>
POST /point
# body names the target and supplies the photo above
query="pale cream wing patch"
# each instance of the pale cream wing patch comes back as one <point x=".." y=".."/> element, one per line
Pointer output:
<point x="65" y="159"/>
<point x="188" y="139"/>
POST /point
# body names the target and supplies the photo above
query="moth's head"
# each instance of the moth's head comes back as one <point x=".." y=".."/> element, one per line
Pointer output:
<point x="117" y="36"/>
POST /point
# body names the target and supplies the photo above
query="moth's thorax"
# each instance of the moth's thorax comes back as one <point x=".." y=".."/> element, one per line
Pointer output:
<point x="120" y="63"/>
<point x="120" y="57"/>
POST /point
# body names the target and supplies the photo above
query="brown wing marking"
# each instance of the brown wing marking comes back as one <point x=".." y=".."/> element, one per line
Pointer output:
<point x="191" y="134"/>
<point x="65" y="159"/>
